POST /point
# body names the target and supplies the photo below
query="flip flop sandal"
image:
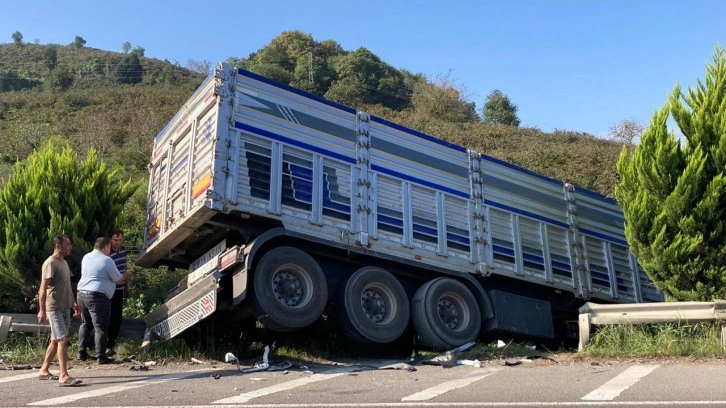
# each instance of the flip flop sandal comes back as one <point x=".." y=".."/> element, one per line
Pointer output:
<point x="70" y="382"/>
<point x="48" y="376"/>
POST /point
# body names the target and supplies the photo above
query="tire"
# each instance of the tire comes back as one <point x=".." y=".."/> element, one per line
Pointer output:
<point x="374" y="308"/>
<point x="445" y="314"/>
<point x="290" y="290"/>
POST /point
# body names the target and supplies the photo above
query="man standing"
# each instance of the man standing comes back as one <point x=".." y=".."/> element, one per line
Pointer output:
<point x="118" y="254"/>
<point x="99" y="277"/>
<point x="55" y="300"/>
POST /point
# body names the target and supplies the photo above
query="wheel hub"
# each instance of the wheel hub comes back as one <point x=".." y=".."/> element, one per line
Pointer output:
<point x="448" y="313"/>
<point x="373" y="306"/>
<point x="287" y="288"/>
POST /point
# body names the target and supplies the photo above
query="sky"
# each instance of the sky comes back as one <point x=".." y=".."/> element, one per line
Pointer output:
<point x="578" y="65"/>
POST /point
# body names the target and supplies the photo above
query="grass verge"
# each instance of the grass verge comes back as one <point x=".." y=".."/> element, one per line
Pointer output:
<point x="657" y="340"/>
<point x="324" y="342"/>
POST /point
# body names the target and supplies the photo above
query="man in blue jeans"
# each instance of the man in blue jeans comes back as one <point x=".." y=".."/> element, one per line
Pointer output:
<point x="99" y="277"/>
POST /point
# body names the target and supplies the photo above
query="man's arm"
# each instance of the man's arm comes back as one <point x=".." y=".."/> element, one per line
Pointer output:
<point x="125" y="277"/>
<point x="41" y="299"/>
<point x="114" y="274"/>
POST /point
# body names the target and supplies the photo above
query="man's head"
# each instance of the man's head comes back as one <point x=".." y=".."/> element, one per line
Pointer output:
<point x="62" y="245"/>
<point x="103" y="244"/>
<point x="117" y="239"/>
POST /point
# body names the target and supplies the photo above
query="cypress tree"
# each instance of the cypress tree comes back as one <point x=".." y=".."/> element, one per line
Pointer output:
<point x="54" y="192"/>
<point x="673" y="193"/>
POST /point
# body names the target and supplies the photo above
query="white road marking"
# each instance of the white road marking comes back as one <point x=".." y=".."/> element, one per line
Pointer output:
<point x="21" y="377"/>
<point x="114" y="388"/>
<point x="611" y="389"/>
<point x="447" y="386"/>
<point x="444" y="404"/>
<point x="325" y="375"/>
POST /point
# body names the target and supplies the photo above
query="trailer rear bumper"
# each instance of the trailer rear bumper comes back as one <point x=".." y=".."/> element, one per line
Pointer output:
<point x="184" y="310"/>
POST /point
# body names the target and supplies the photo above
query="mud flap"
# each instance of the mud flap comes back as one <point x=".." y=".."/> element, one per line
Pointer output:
<point x="184" y="310"/>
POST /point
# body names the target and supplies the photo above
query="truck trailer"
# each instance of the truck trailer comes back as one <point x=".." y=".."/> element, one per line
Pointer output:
<point x="284" y="206"/>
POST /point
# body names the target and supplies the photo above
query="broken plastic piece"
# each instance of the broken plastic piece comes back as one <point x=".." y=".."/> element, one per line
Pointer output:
<point x="473" y="363"/>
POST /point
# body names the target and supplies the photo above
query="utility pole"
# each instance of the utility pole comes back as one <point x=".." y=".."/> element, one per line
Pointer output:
<point x="310" y="68"/>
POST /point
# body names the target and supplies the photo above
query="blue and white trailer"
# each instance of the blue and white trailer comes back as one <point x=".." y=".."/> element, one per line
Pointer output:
<point x="283" y="205"/>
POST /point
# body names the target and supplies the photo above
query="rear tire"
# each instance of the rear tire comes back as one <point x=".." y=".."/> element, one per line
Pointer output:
<point x="375" y="308"/>
<point x="290" y="290"/>
<point x="445" y="314"/>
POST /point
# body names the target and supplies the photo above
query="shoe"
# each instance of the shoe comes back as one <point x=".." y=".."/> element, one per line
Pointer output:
<point x="110" y="352"/>
<point x="104" y="360"/>
<point x="83" y="355"/>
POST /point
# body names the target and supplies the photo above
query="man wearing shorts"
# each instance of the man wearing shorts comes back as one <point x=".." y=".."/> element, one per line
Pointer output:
<point x="55" y="301"/>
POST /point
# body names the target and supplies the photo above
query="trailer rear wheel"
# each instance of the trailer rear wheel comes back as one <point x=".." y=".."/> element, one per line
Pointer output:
<point x="445" y="314"/>
<point x="290" y="290"/>
<point x="375" y="307"/>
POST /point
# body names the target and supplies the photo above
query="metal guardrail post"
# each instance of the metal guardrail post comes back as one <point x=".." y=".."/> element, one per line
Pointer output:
<point x="5" y="323"/>
<point x="584" y="329"/>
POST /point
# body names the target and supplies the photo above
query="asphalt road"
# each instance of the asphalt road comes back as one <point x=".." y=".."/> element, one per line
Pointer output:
<point x="362" y="384"/>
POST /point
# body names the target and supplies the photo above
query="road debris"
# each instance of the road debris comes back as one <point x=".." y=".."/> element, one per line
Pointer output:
<point x="197" y="361"/>
<point x="20" y="367"/>
<point x="398" y="366"/>
<point x="473" y="363"/>
<point x="511" y="362"/>
<point x="261" y="366"/>
<point x="139" y="367"/>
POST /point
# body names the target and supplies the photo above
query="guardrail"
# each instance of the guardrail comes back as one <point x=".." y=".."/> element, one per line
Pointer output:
<point x="593" y="314"/>
<point x="14" y="322"/>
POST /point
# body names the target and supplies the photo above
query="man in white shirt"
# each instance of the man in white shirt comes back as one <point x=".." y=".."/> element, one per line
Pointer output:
<point x="99" y="277"/>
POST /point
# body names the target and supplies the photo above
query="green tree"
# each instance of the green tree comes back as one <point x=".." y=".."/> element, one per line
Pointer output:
<point x="129" y="70"/>
<point x="59" y="79"/>
<point x="17" y="38"/>
<point x="50" y="56"/>
<point x="442" y="100"/>
<point x="11" y="81"/>
<point x="126" y="47"/>
<point x="673" y="194"/>
<point x="139" y="50"/>
<point x="364" y="78"/>
<point x="499" y="110"/>
<point x="49" y="193"/>
<point x="78" y="42"/>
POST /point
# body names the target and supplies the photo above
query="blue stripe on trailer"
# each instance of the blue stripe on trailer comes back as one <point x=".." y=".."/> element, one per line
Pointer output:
<point x="595" y="194"/>
<point x="603" y="236"/>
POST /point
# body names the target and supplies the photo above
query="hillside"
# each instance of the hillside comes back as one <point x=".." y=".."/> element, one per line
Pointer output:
<point x="118" y="102"/>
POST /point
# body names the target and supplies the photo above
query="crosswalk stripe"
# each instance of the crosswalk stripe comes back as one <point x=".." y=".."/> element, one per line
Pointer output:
<point x="114" y="388"/>
<point x="611" y="389"/>
<point x="325" y="375"/>
<point x="445" y="387"/>
<point x="19" y="377"/>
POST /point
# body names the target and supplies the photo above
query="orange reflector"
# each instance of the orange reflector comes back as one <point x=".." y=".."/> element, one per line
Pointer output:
<point x="202" y="184"/>
<point x="228" y="259"/>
